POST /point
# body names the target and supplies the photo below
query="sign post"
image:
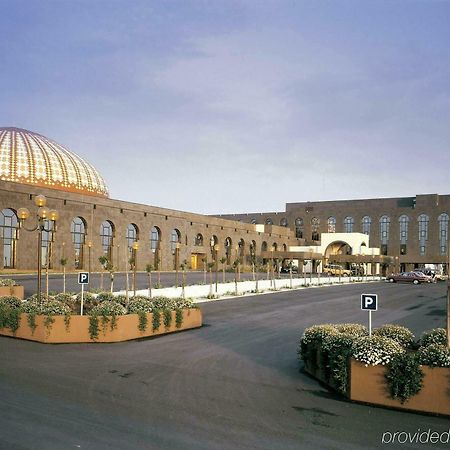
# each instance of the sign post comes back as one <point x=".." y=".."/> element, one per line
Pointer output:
<point x="369" y="302"/>
<point x="83" y="278"/>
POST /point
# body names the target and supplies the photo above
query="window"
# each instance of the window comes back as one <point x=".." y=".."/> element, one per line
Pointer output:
<point x="132" y="235"/>
<point x="269" y="221"/>
<point x="385" y="222"/>
<point x="423" y="220"/>
<point x="331" y="225"/>
<point x="403" y="222"/>
<point x="78" y="231"/>
<point x="299" y="228"/>
<point x="348" y="224"/>
<point x="284" y="222"/>
<point x="228" y="248"/>
<point x="274" y="247"/>
<point x="198" y="241"/>
<point x="155" y="239"/>
<point x="175" y="239"/>
<point x="253" y="221"/>
<point x="9" y="225"/>
<point x="47" y="240"/>
<point x="315" y="224"/>
<point x="443" y="233"/>
<point x="241" y="245"/>
<point x="366" y="222"/>
<point x="264" y="246"/>
<point x="106" y="237"/>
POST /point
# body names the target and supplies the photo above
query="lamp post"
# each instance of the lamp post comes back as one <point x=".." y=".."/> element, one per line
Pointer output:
<point x="135" y="249"/>
<point x="43" y="214"/>
<point x="216" y="254"/>
<point x="89" y="257"/>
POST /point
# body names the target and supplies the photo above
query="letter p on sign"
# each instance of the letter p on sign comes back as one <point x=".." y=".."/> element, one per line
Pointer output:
<point x="83" y="278"/>
<point x="369" y="302"/>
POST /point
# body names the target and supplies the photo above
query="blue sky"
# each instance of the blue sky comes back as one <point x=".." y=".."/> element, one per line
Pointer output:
<point x="237" y="106"/>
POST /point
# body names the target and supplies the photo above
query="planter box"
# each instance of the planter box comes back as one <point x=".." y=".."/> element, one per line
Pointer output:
<point x="78" y="329"/>
<point x="15" y="291"/>
<point x="368" y="385"/>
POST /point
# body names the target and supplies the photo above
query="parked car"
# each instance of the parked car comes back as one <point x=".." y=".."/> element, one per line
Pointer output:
<point x="336" y="270"/>
<point x="425" y="273"/>
<point x="408" y="277"/>
<point x="433" y="274"/>
<point x="287" y="269"/>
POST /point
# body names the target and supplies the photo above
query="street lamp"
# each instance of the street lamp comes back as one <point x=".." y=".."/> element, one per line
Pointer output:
<point x="89" y="257"/>
<point x="216" y="253"/>
<point x="43" y="215"/>
<point x="135" y="249"/>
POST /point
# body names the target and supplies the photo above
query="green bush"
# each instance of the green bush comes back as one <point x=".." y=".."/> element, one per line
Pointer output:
<point x="7" y="282"/>
<point x="436" y="336"/>
<point x="434" y="355"/>
<point x="105" y="296"/>
<point x="398" y="333"/>
<point x="10" y="313"/>
<point x="404" y="376"/>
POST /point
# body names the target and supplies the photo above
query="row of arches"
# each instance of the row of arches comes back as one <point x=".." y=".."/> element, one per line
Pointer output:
<point x="9" y="232"/>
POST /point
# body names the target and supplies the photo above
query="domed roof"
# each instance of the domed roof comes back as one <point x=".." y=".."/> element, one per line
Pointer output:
<point x="30" y="158"/>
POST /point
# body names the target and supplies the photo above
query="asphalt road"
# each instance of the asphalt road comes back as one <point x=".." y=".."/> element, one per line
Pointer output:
<point x="233" y="384"/>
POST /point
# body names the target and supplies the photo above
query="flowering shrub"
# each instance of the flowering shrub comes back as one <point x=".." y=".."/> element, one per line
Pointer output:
<point x="375" y="350"/>
<point x="12" y="302"/>
<point x="436" y="336"/>
<point x="47" y="307"/>
<point x="352" y="329"/>
<point x="396" y="332"/>
<point x="10" y="312"/>
<point x="7" y="282"/>
<point x="103" y="296"/>
<point x="108" y="308"/>
<point x="434" y="355"/>
<point x="140" y="304"/>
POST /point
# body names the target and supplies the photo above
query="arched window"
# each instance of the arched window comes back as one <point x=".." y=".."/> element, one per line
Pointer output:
<point x="198" y="241"/>
<point x="155" y="239"/>
<point x="366" y="222"/>
<point x="132" y="235"/>
<point x="299" y="228"/>
<point x="228" y="249"/>
<point x="331" y="225"/>
<point x="269" y="221"/>
<point x="48" y="235"/>
<point x="423" y="220"/>
<point x="9" y="225"/>
<point x="403" y="223"/>
<point x="315" y="225"/>
<point x="284" y="248"/>
<point x="175" y="239"/>
<point x="284" y="222"/>
<point x="241" y="246"/>
<point x="253" y="221"/>
<point x="274" y="247"/>
<point x="264" y="246"/>
<point x="443" y="233"/>
<point x="78" y="231"/>
<point x="252" y="248"/>
<point x="348" y="224"/>
<point x="106" y="237"/>
<point x="385" y="222"/>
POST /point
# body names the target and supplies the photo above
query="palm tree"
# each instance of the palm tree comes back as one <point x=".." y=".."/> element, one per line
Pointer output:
<point x="148" y="269"/>
<point x="63" y="262"/>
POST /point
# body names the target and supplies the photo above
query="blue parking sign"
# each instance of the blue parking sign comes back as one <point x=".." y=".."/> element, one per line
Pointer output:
<point x="83" y="278"/>
<point x="369" y="302"/>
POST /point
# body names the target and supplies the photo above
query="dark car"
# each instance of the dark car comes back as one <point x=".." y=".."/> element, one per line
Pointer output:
<point x="287" y="269"/>
<point x="408" y="277"/>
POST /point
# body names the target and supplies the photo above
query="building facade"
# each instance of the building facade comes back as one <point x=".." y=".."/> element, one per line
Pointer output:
<point x="414" y="230"/>
<point x="92" y="225"/>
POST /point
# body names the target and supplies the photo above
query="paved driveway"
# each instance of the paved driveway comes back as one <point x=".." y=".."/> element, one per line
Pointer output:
<point x="233" y="384"/>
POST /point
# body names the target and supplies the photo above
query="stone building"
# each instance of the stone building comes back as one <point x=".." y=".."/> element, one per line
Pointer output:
<point x="414" y="230"/>
<point x="91" y="225"/>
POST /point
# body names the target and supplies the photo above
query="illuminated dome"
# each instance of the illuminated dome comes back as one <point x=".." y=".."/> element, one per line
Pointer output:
<point x="30" y="158"/>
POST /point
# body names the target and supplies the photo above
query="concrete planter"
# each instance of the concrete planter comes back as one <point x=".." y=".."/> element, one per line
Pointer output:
<point x="368" y="385"/>
<point x="14" y="291"/>
<point x="78" y="329"/>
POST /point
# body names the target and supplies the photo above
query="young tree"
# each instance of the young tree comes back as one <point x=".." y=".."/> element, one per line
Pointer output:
<point x="223" y="261"/>
<point x="158" y="268"/>
<point x="210" y="266"/>
<point x="235" y="266"/>
<point x="63" y="262"/>
<point x="110" y="268"/>
<point x="184" y="265"/>
<point x="103" y="260"/>
<point x="148" y="269"/>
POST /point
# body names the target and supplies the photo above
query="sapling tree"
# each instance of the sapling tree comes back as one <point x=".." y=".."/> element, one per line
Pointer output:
<point x="149" y="269"/>
<point x="63" y="262"/>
